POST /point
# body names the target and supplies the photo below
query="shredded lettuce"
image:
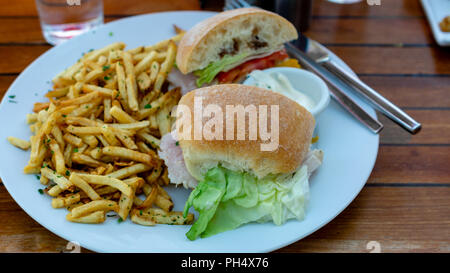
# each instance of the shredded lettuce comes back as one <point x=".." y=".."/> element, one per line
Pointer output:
<point x="227" y="199"/>
<point x="207" y="74"/>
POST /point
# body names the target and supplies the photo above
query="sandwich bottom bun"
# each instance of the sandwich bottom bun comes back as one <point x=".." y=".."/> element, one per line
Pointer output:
<point x="210" y="131"/>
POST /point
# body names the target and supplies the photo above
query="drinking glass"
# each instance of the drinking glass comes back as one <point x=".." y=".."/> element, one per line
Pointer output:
<point x="64" y="19"/>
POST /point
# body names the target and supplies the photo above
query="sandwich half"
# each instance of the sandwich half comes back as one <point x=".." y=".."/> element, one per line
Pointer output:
<point x="235" y="181"/>
<point x="229" y="45"/>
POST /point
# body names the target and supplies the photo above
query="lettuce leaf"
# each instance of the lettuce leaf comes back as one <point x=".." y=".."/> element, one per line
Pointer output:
<point x="207" y="74"/>
<point x="227" y="199"/>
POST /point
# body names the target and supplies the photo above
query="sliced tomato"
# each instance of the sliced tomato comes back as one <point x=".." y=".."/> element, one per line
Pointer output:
<point x="249" y="66"/>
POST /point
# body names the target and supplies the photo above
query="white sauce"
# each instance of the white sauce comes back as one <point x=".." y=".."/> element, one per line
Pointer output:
<point x="279" y="83"/>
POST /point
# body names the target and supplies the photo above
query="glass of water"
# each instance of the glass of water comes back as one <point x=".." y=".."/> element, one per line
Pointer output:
<point x="64" y="19"/>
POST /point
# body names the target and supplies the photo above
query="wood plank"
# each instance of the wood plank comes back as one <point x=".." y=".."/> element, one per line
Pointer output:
<point x="412" y="91"/>
<point x="25" y="30"/>
<point x="387" y="215"/>
<point x="129" y="7"/>
<point x="17" y="58"/>
<point x="5" y="82"/>
<point x="400" y="219"/>
<point x="412" y="30"/>
<point x="411" y="164"/>
<point x="435" y="128"/>
<point x="387" y="8"/>
<point x="395" y="60"/>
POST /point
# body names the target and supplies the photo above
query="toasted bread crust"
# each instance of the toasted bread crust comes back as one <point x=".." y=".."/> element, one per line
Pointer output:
<point x="296" y="126"/>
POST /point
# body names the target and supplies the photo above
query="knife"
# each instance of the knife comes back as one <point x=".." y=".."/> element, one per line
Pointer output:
<point x="338" y="88"/>
<point x="320" y="55"/>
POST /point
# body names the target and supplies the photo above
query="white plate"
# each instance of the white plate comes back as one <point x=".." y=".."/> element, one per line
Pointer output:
<point x="350" y="152"/>
<point x="436" y="11"/>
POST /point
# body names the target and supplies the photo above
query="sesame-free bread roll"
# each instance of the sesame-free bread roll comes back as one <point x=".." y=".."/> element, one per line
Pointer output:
<point x="296" y="126"/>
<point x="252" y="31"/>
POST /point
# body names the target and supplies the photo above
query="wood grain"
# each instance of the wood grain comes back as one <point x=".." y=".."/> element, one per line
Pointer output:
<point x="364" y="30"/>
<point x="387" y="215"/>
<point x="400" y="219"/>
<point x="395" y="60"/>
<point x="389" y="8"/>
<point x="111" y="7"/>
<point x="412" y="164"/>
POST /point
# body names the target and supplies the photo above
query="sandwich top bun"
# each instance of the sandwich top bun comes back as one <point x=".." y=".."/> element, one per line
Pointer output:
<point x="246" y="30"/>
<point x="296" y="126"/>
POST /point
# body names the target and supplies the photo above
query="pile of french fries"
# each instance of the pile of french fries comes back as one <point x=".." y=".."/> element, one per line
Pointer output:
<point x="95" y="142"/>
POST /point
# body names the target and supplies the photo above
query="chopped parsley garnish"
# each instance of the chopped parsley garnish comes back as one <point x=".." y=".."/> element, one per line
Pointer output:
<point x="75" y="150"/>
<point x="12" y="101"/>
<point x="147" y="106"/>
<point x="177" y="143"/>
<point x="12" y="96"/>
<point x="38" y="177"/>
<point x="110" y="34"/>
<point x="67" y="172"/>
<point x="120" y="220"/>
<point x="106" y="67"/>
<point x="106" y="78"/>
<point x="41" y="191"/>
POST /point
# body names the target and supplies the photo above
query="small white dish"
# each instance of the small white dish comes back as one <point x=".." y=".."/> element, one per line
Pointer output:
<point x="304" y="81"/>
<point x="436" y="11"/>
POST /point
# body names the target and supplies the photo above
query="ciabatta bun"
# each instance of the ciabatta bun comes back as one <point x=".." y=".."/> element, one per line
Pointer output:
<point x="247" y="30"/>
<point x="296" y="126"/>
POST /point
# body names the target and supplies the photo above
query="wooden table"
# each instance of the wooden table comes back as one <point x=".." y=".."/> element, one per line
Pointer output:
<point x="405" y="203"/>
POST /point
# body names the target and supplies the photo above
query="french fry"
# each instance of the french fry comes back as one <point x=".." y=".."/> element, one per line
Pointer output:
<point x="73" y="140"/>
<point x="131" y="92"/>
<point x="145" y="63"/>
<point x="60" y="180"/>
<point x="98" y="90"/>
<point x="129" y="171"/>
<point x="121" y="116"/>
<point x="150" y="199"/>
<point x="141" y="219"/>
<point x="96" y="205"/>
<point x="59" y="158"/>
<point x="143" y="81"/>
<point x="80" y="158"/>
<point x="128" y="154"/>
<point x="153" y="141"/>
<point x="107" y="181"/>
<point x="160" y="216"/>
<point x="96" y="217"/>
<point x="61" y="202"/>
<point x="107" y="107"/>
<point x="19" y="143"/>
<point x="84" y="186"/>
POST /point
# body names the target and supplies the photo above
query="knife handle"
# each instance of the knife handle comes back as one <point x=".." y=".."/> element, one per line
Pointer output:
<point x="337" y="87"/>
<point x="377" y="100"/>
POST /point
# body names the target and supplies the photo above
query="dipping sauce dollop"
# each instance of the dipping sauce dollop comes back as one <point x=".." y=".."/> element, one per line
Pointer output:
<point x="279" y="83"/>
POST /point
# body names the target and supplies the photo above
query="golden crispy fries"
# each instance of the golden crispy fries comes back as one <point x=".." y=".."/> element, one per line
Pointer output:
<point x="121" y="116"/>
<point x="107" y="181"/>
<point x="84" y="186"/>
<point x="102" y="205"/>
<point x="128" y="154"/>
<point x="19" y="143"/>
<point x="129" y="171"/>
<point x="61" y="202"/>
<point x="96" y="217"/>
<point x="131" y="92"/>
<point x="95" y="141"/>
<point x="160" y="216"/>
<point x="58" y="156"/>
<point x="60" y="180"/>
<point x="143" y="220"/>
